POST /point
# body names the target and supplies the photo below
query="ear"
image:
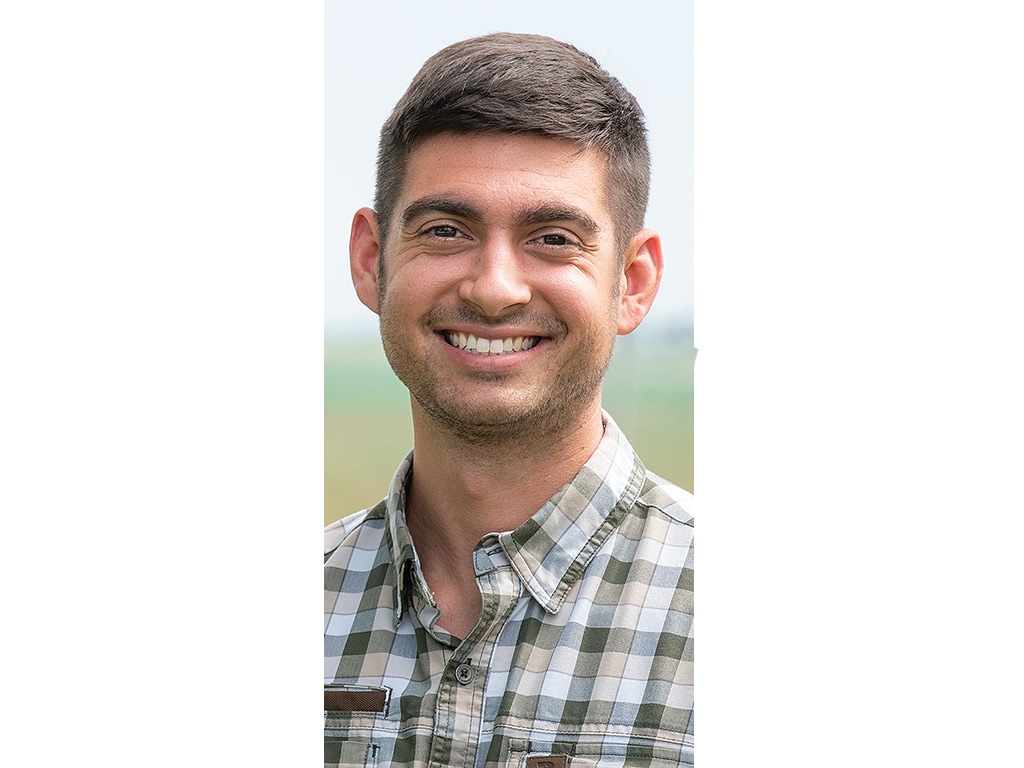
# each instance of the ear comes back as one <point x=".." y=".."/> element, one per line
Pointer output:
<point x="641" y="276"/>
<point x="364" y="253"/>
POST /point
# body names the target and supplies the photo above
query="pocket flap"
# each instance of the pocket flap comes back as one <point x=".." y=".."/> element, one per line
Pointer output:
<point x="355" y="698"/>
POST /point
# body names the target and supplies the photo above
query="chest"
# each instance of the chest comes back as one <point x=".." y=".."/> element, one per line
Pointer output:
<point x="605" y="681"/>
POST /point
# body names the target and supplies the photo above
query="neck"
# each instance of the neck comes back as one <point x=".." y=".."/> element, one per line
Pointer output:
<point x="482" y="488"/>
<point x="460" y="491"/>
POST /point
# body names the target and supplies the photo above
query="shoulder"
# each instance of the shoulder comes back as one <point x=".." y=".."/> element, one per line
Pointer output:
<point x="648" y="560"/>
<point x="658" y="527"/>
<point x="658" y="494"/>
<point x="657" y="531"/>
<point x="357" y="561"/>
<point x="361" y="530"/>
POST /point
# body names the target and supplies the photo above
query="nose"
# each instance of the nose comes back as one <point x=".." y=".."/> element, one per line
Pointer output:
<point x="497" y="282"/>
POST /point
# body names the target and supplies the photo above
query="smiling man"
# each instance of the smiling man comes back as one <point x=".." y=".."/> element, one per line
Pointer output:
<point x="523" y="596"/>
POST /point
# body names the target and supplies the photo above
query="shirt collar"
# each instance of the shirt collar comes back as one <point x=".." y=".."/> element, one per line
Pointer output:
<point x="403" y="554"/>
<point x="550" y="550"/>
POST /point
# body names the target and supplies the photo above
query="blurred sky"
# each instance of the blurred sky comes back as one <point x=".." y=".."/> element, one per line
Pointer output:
<point x="372" y="51"/>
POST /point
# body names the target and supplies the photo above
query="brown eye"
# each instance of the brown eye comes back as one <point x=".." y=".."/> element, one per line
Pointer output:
<point x="444" y="230"/>
<point x="554" y="240"/>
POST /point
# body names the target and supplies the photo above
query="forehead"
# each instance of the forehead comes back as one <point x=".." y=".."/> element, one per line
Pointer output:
<point x="497" y="171"/>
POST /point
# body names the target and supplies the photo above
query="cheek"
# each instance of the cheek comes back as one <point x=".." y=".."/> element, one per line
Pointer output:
<point x="584" y="298"/>
<point x="408" y="286"/>
<point x="424" y="275"/>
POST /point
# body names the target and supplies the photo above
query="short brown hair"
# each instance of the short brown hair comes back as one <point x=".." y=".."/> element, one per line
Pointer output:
<point x="519" y="83"/>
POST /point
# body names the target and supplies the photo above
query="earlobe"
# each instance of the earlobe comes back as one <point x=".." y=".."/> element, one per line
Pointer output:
<point x="641" y="276"/>
<point x="364" y="253"/>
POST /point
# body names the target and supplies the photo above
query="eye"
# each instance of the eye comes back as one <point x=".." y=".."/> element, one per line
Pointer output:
<point x="554" y="240"/>
<point x="444" y="231"/>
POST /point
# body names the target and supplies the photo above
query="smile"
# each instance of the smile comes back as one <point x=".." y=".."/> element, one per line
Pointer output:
<point x="481" y="346"/>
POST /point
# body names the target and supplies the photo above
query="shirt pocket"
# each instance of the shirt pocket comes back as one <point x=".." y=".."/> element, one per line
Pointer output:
<point x="350" y="712"/>
<point x="343" y="752"/>
<point x="609" y="753"/>
<point x="622" y="755"/>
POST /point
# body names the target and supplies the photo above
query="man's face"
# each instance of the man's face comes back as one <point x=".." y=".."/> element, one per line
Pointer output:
<point x="499" y="306"/>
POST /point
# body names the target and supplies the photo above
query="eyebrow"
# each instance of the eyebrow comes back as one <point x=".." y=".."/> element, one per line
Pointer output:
<point x="549" y="214"/>
<point x="449" y="206"/>
<point x="543" y="214"/>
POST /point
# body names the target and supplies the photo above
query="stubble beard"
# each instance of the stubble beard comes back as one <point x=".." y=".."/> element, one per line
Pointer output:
<point x="535" y="414"/>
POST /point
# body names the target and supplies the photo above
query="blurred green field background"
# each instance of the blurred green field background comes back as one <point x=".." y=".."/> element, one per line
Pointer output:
<point x="367" y="428"/>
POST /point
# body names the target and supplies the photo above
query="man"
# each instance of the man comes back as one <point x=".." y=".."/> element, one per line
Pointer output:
<point x="523" y="596"/>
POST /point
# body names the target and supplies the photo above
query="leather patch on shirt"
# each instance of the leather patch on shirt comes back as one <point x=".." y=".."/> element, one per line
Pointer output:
<point x="547" y="761"/>
<point x="355" y="699"/>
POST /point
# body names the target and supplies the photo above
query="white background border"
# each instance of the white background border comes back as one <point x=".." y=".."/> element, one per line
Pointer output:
<point x="857" y="236"/>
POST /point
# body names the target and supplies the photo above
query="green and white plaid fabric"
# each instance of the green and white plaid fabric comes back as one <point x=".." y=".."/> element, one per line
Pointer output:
<point x="583" y="655"/>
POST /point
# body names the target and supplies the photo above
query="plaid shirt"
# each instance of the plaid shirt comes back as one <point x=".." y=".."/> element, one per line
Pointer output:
<point x="583" y="654"/>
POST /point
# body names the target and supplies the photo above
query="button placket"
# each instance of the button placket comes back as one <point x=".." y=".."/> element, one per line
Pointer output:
<point x="458" y="718"/>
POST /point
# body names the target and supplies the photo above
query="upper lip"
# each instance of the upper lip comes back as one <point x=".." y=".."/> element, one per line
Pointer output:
<point x="492" y="333"/>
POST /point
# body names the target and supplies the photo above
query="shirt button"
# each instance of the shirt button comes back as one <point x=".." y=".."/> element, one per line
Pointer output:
<point x="464" y="674"/>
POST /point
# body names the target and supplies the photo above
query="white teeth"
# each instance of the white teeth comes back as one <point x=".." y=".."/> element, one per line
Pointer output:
<point x="483" y="346"/>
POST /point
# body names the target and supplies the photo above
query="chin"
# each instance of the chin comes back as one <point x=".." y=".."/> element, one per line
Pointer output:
<point x="490" y="424"/>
